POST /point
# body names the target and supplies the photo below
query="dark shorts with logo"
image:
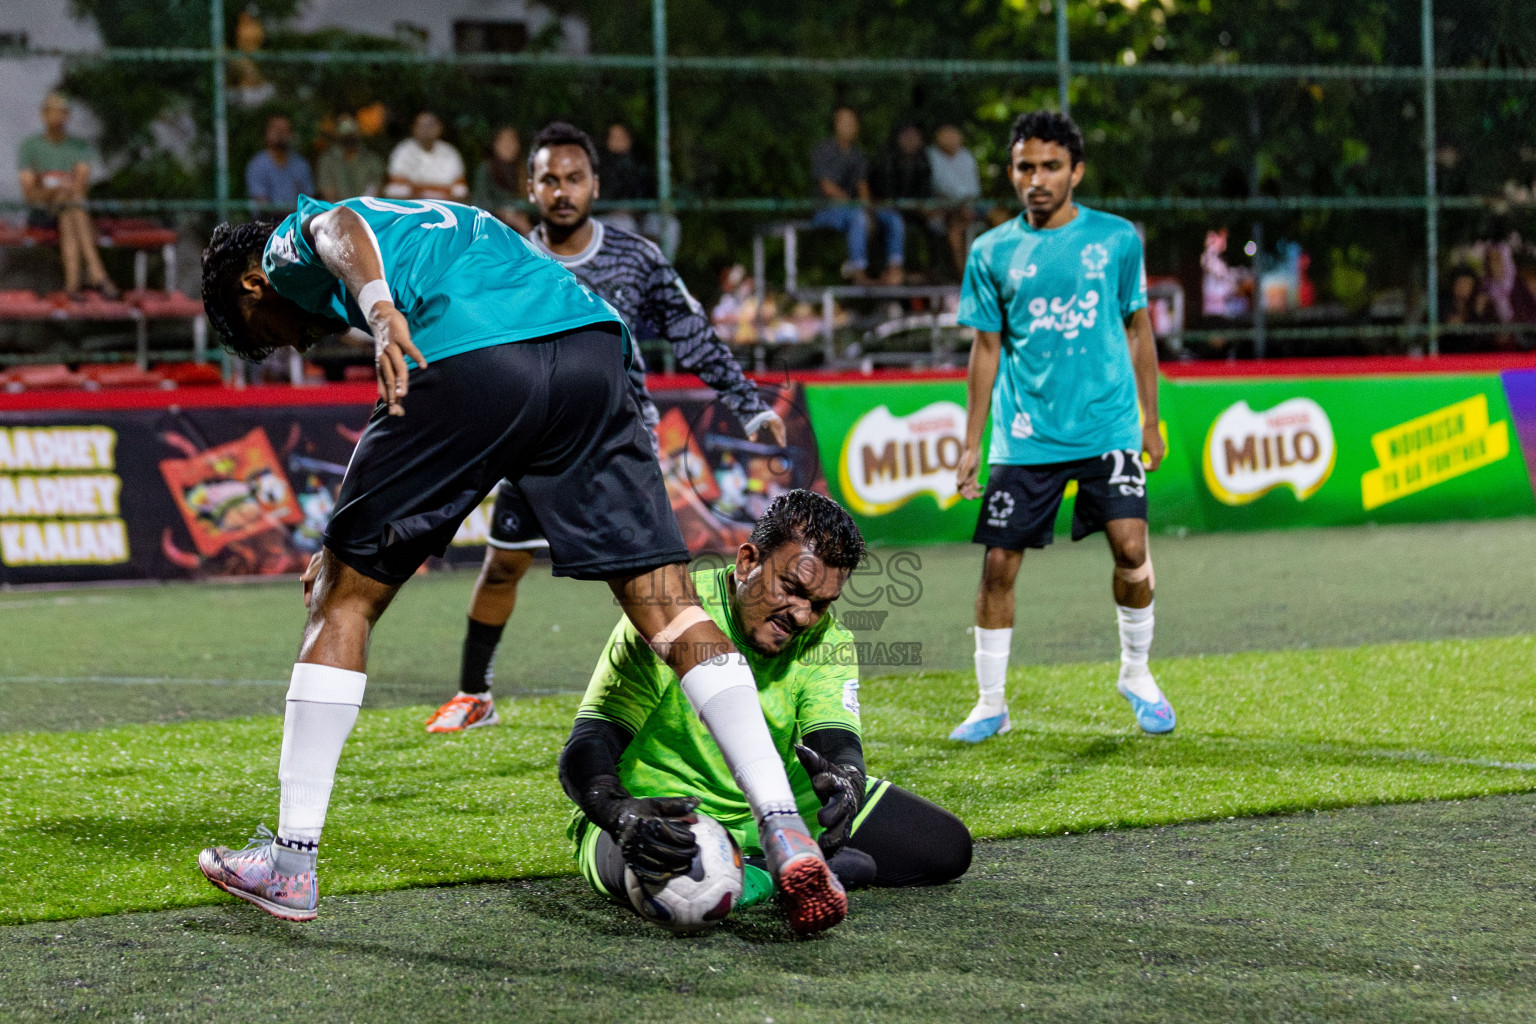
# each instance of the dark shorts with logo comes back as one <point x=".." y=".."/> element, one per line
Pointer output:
<point x="514" y="525"/>
<point x="1019" y="509"/>
<point x="557" y="416"/>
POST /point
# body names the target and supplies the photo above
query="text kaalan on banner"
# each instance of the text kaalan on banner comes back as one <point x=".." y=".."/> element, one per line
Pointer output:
<point x="60" y="497"/>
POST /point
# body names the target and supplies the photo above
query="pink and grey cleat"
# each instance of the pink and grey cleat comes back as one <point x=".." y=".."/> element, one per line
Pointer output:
<point x="811" y="894"/>
<point x="252" y="875"/>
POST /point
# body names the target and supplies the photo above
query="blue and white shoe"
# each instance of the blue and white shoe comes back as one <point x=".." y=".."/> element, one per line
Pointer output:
<point x="1155" y="717"/>
<point x="980" y="725"/>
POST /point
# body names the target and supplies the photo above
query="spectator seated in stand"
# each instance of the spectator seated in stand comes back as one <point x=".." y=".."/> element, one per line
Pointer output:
<point x="426" y="167"/>
<point x="348" y="168"/>
<point x="957" y="182"/>
<point x="626" y="177"/>
<point x="903" y="174"/>
<point x="501" y="181"/>
<point x="277" y="175"/>
<point x="54" y="169"/>
<point x="841" y="176"/>
<point x="1466" y="303"/>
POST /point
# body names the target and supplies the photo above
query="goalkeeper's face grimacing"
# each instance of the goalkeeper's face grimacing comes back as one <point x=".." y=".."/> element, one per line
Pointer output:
<point x="782" y="593"/>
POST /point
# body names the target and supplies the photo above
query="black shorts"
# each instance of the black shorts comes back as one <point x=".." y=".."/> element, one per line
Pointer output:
<point x="514" y="525"/>
<point x="1019" y="509"/>
<point x="556" y="415"/>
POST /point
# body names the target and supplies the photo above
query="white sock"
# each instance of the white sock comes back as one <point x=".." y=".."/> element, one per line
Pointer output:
<point x="322" y="708"/>
<point x="724" y="696"/>
<point x="992" y="647"/>
<point x="1135" y="646"/>
<point x="478" y="696"/>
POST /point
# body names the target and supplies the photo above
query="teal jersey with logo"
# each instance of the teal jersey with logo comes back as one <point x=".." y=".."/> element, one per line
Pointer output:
<point x="462" y="278"/>
<point x="1065" y="386"/>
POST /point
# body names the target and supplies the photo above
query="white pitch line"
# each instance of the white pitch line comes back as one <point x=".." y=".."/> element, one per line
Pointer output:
<point x="51" y="602"/>
<point x="142" y="680"/>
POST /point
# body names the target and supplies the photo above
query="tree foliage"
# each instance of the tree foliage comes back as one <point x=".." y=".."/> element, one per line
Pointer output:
<point x="741" y="134"/>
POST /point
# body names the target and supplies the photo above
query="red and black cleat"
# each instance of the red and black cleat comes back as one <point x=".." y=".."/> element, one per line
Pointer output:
<point x="812" y="897"/>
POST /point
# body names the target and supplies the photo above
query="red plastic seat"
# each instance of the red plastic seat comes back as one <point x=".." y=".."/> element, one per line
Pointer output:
<point x="25" y="305"/>
<point x="192" y="375"/>
<point x="166" y="305"/>
<point x="46" y="376"/>
<point x="93" y="306"/>
<point x="135" y="233"/>
<point x="123" y="375"/>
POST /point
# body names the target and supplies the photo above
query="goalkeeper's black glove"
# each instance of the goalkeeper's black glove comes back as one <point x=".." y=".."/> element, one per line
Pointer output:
<point x="841" y="791"/>
<point x="652" y="832"/>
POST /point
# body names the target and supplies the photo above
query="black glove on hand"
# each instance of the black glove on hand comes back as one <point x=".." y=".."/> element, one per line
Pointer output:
<point x="652" y="832"/>
<point x="841" y="791"/>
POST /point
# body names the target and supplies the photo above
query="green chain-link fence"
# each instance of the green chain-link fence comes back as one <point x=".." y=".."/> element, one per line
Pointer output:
<point x="1418" y="324"/>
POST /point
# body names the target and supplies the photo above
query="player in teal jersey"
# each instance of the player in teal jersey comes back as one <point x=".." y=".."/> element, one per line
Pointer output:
<point x="514" y="370"/>
<point x="637" y="761"/>
<point x="1065" y="365"/>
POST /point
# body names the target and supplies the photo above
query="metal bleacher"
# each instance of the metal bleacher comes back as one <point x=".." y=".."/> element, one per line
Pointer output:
<point x="139" y="306"/>
<point x="928" y="308"/>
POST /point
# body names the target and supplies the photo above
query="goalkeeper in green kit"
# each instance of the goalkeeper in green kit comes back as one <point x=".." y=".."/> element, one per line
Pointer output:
<point x="638" y="761"/>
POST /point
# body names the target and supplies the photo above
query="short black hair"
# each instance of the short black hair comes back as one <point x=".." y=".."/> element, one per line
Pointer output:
<point x="563" y="133"/>
<point x="233" y="249"/>
<point x="1049" y="126"/>
<point x="814" y="520"/>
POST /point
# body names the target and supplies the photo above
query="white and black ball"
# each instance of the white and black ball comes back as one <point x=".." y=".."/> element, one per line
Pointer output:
<point x="703" y="896"/>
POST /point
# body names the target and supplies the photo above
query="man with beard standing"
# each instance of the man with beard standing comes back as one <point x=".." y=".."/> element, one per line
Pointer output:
<point x="631" y="273"/>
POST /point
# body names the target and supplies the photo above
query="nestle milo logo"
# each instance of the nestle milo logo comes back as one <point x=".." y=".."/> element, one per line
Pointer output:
<point x="888" y="460"/>
<point x="1248" y="454"/>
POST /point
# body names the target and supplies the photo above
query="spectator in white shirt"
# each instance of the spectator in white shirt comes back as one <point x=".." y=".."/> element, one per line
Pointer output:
<point x="426" y="167"/>
<point x="956" y="182"/>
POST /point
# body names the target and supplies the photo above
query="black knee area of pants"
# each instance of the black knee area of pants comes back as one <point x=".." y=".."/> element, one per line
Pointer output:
<point x="913" y="841"/>
<point x="610" y="868"/>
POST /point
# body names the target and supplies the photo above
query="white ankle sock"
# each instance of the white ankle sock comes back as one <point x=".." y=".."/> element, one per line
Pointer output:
<point x="1135" y="646"/>
<point x="724" y="696"/>
<point x="322" y="708"/>
<point x="992" y="647"/>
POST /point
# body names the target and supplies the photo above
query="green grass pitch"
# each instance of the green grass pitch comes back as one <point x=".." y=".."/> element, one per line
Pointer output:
<point x="1333" y="669"/>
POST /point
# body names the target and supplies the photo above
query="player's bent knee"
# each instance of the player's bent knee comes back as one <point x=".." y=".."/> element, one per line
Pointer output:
<point x="1138" y="573"/>
<point x="342" y="591"/>
<point x="505" y="568"/>
<point x="953" y="848"/>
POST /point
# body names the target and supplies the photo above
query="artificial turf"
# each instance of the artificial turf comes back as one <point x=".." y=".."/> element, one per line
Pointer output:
<point x="1419" y="912"/>
<point x="1311" y="670"/>
<point x="87" y="658"/>
<point x="111" y="820"/>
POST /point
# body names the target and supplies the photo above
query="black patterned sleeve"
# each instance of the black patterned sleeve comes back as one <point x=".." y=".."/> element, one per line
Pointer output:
<point x="682" y="321"/>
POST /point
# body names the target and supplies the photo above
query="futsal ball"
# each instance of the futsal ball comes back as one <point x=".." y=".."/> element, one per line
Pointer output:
<point x="705" y="895"/>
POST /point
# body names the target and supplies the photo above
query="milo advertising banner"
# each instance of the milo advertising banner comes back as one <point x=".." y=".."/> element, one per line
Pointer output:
<point x="1310" y="452"/>
<point x="890" y="452"/>
<point x="1242" y="454"/>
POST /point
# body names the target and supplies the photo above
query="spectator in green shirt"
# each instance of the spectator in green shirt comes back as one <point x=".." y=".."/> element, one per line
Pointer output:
<point x="349" y="169"/>
<point x="55" y="172"/>
<point x="501" y="181"/>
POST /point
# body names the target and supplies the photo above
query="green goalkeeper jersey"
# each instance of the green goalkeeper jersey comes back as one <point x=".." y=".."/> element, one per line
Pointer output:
<point x="812" y="684"/>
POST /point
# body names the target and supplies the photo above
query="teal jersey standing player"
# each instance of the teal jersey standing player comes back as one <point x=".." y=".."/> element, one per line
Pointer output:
<point x="494" y="363"/>
<point x="1064" y="367"/>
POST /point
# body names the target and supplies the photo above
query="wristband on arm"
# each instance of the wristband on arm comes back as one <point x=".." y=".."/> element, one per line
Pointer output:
<point x="372" y="293"/>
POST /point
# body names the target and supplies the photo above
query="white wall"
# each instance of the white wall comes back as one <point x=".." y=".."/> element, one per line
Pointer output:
<point x="378" y="17"/>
